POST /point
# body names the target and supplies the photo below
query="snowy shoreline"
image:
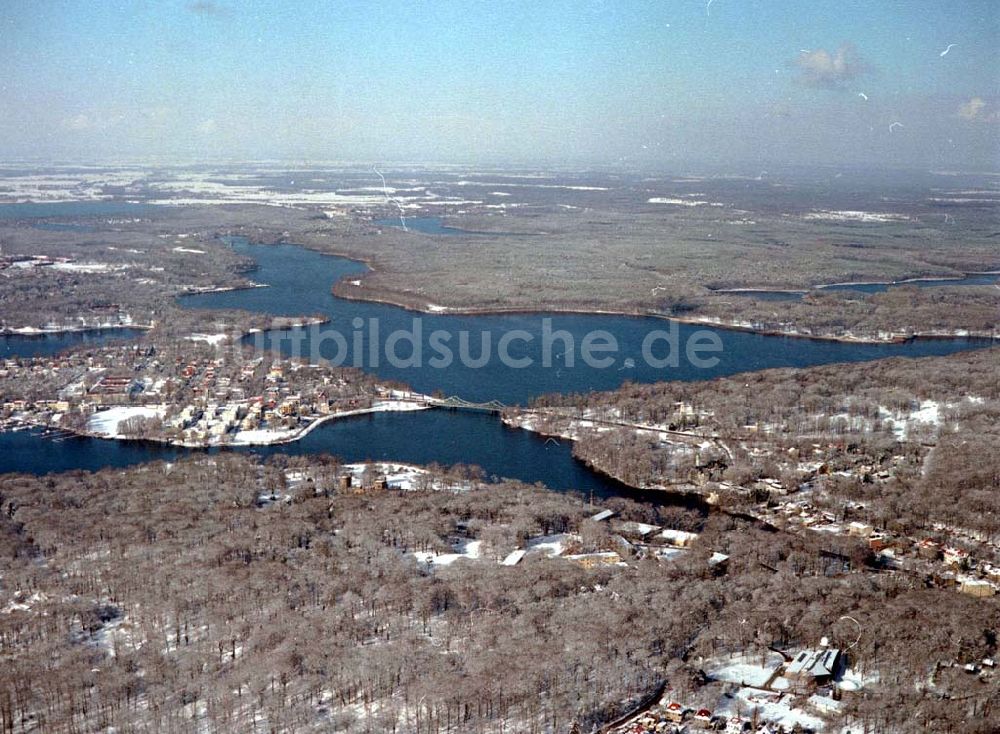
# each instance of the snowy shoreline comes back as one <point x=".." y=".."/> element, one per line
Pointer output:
<point x="710" y="321"/>
<point x="47" y="331"/>
<point x="253" y="438"/>
<point x="904" y="281"/>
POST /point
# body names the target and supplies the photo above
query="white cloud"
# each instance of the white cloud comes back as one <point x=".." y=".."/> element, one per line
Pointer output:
<point x="78" y="122"/>
<point x="972" y="109"/>
<point x="93" y="120"/>
<point x="156" y="115"/>
<point x="821" y="68"/>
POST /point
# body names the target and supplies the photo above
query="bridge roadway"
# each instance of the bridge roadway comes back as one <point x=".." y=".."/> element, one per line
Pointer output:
<point x="456" y="403"/>
<point x="453" y="402"/>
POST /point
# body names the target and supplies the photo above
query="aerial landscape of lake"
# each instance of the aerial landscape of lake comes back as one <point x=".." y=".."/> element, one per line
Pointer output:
<point x="299" y="282"/>
<point x="605" y="367"/>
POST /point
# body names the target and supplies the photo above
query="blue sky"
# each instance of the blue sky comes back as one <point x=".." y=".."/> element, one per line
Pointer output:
<point x="644" y="83"/>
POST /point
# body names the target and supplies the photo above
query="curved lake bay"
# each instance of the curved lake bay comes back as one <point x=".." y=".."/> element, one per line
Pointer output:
<point x="546" y="357"/>
<point x="299" y="282"/>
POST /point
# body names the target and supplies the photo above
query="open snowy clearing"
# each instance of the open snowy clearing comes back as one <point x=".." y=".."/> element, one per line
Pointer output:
<point x="468" y="549"/>
<point x="213" y="339"/>
<point x="744" y="669"/>
<point x="106" y="422"/>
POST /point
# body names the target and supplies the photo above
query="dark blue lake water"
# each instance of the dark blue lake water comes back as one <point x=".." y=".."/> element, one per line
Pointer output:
<point x="445" y="437"/>
<point x="300" y="283"/>
<point x="765" y="295"/>
<point x="43" y="345"/>
<point x="972" y="279"/>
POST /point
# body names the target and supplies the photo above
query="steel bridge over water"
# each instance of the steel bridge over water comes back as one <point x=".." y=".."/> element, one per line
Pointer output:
<point x="456" y="403"/>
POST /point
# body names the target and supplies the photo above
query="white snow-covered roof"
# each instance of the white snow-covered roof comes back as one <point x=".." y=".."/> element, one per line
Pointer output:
<point x="513" y="558"/>
<point x="641" y="529"/>
<point x="677" y="537"/>
<point x="716" y="558"/>
<point x="815" y="663"/>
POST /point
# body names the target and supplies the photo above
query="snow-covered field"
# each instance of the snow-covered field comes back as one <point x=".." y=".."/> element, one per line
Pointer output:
<point x="197" y="189"/>
<point x="264" y="436"/>
<point x="401" y="476"/>
<point x="88" y="267"/>
<point x="189" y="187"/>
<point x="80" y="325"/>
<point x="468" y="549"/>
<point x="744" y="669"/>
<point x="681" y="202"/>
<point x="105" y="423"/>
<point x="213" y="339"/>
<point x="550" y="545"/>
<point x="57" y="187"/>
<point x="850" y="215"/>
<point x="903" y="424"/>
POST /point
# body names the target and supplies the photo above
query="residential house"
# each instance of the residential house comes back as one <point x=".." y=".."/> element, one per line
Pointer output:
<point x="815" y="666"/>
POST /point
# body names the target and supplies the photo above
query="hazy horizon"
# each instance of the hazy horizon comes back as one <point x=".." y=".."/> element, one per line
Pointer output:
<point x="640" y="85"/>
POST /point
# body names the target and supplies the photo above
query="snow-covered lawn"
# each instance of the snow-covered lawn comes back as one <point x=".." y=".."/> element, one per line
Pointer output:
<point x="213" y="339"/>
<point x="745" y="669"/>
<point x="88" y="267"/>
<point x="550" y="545"/>
<point x="463" y="549"/>
<point x="263" y="436"/>
<point x="852" y="680"/>
<point x="81" y="324"/>
<point x="903" y="424"/>
<point x="105" y="423"/>
<point x="398" y="476"/>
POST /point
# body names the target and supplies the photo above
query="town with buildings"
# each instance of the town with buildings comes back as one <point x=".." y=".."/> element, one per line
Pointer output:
<point x="185" y="396"/>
